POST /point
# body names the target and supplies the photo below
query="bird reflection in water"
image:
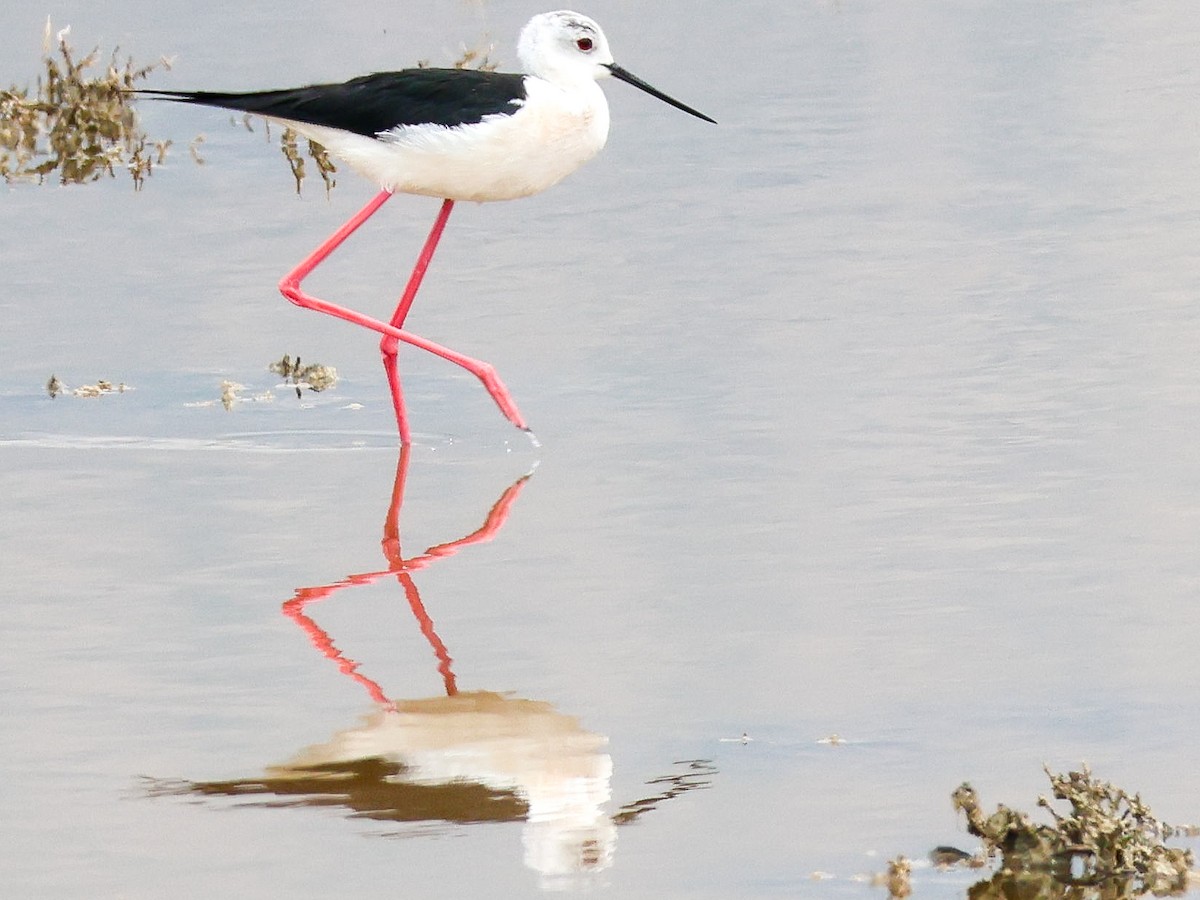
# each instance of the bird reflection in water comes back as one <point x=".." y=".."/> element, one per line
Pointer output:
<point x="466" y="757"/>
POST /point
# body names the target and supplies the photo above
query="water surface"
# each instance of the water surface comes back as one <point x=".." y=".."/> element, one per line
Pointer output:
<point x="870" y="412"/>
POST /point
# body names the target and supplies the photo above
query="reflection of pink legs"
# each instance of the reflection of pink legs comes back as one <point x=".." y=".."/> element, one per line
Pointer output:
<point x="402" y="569"/>
<point x="294" y="610"/>
<point x="392" y="332"/>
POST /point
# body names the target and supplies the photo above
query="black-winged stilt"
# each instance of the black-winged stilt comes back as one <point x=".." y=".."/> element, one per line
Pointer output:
<point x="455" y="134"/>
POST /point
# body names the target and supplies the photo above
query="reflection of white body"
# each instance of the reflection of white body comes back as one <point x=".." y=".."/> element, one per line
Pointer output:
<point x="506" y="744"/>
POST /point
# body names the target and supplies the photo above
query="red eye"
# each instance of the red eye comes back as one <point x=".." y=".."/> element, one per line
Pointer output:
<point x="584" y="44"/>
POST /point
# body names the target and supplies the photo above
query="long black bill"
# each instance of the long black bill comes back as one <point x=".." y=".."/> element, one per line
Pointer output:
<point x="630" y="78"/>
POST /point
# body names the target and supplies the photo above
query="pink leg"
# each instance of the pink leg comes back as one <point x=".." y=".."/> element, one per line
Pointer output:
<point x="388" y="346"/>
<point x="289" y="286"/>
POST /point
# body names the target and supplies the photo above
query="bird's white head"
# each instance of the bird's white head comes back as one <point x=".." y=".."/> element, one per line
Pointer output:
<point x="564" y="47"/>
<point x="569" y="50"/>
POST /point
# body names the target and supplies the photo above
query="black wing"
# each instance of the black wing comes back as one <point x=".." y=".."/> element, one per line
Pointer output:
<point x="375" y="103"/>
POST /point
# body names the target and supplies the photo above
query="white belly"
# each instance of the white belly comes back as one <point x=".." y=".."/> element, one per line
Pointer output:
<point x="502" y="157"/>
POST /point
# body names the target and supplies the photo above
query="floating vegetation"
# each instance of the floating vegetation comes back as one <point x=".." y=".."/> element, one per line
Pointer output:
<point x="289" y="142"/>
<point x="1109" y="845"/>
<point x="78" y="122"/>
<point x="231" y="396"/>
<point x="54" y="387"/>
<point x="229" y="393"/>
<point x="314" y="376"/>
<point x="469" y="57"/>
<point x="899" y="878"/>
<point x="949" y="857"/>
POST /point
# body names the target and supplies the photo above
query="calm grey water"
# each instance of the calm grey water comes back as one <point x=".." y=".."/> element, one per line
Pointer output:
<point x="872" y="411"/>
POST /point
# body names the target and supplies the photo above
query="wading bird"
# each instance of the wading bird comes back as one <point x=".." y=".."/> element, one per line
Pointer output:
<point x="456" y="134"/>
